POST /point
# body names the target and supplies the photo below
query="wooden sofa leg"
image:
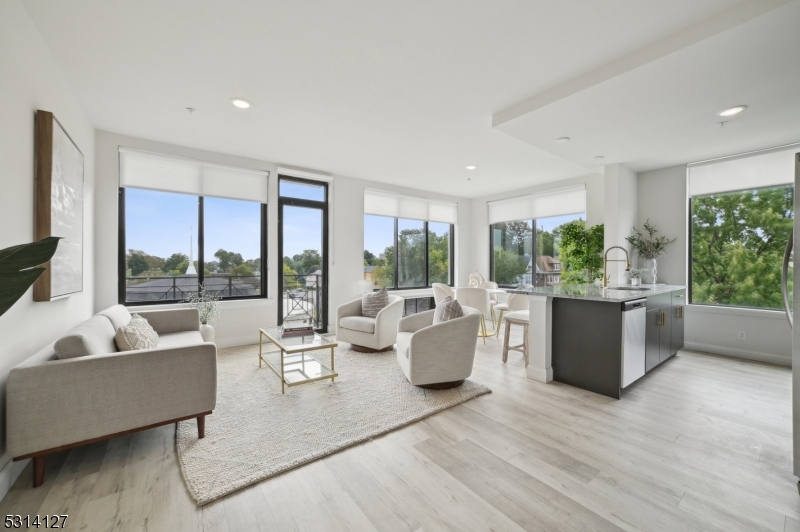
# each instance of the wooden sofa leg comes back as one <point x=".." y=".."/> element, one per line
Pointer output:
<point x="38" y="471"/>
<point x="201" y="426"/>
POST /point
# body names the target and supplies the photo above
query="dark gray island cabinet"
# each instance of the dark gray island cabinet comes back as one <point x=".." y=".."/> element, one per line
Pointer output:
<point x="583" y="335"/>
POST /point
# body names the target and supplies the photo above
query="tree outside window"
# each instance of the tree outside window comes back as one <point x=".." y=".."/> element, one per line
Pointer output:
<point x="737" y="244"/>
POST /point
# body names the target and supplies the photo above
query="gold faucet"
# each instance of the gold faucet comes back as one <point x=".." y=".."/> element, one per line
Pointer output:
<point x="606" y="261"/>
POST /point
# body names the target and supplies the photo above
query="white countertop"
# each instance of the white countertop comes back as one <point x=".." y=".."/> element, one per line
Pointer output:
<point x="598" y="293"/>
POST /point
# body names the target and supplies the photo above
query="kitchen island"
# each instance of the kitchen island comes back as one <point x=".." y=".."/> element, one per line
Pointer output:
<point x="577" y="333"/>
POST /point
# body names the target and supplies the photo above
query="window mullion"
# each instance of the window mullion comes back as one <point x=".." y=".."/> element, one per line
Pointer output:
<point x="200" y="243"/>
<point x="427" y="250"/>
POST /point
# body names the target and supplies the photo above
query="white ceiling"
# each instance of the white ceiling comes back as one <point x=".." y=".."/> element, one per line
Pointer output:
<point x="664" y="112"/>
<point x="400" y="92"/>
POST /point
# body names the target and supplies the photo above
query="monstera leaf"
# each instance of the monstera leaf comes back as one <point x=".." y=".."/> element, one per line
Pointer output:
<point x="18" y="268"/>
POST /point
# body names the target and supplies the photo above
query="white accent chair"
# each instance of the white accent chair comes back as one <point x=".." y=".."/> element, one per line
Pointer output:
<point x="441" y="292"/>
<point x="514" y="303"/>
<point x="369" y="335"/>
<point x="477" y="298"/>
<point x="437" y="356"/>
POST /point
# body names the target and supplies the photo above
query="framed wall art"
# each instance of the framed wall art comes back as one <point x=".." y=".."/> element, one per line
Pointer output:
<point x="58" y="170"/>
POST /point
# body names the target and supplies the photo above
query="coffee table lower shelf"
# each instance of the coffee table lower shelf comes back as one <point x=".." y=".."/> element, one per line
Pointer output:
<point x="293" y="364"/>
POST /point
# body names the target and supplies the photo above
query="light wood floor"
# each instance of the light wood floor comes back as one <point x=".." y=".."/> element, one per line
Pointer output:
<point x="703" y="443"/>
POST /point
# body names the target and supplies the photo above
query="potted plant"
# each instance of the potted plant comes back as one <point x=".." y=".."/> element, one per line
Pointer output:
<point x="649" y="246"/>
<point x="20" y="266"/>
<point x="636" y="275"/>
<point x="208" y="305"/>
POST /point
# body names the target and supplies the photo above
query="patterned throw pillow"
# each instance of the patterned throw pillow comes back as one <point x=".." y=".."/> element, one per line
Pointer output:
<point x="137" y="334"/>
<point x="449" y="309"/>
<point x="372" y="303"/>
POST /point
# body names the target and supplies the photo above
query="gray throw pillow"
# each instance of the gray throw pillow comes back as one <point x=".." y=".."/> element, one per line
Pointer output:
<point x="449" y="309"/>
<point x="372" y="303"/>
<point x="137" y="334"/>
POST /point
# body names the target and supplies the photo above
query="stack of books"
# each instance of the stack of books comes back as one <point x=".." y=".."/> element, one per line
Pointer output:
<point x="297" y="330"/>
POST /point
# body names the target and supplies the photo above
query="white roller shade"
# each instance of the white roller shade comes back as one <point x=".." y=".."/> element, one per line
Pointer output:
<point x="761" y="169"/>
<point x="558" y="202"/>
<point x="385" y="203"/>
<point x="175" y="174"/>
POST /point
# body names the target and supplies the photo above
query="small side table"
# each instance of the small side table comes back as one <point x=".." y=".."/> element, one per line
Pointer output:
<point x="291" y="360"/>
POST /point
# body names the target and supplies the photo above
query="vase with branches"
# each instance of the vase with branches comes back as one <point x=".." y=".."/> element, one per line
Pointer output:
<point x="209" y="307"/>
<point x="649" y="246"/>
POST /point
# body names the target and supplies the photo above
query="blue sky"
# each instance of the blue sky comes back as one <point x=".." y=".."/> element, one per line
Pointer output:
<point x="159" y="223"/>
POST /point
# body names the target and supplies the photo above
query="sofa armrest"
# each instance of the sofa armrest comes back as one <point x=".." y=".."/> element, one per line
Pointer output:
<point x="62" y="402"/>
<point x="173" y="320"/>
<point x="352" y="308"/>
<point x="415" y="322"/>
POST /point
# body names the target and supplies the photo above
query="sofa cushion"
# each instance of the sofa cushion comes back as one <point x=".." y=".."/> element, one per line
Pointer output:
<point x="358" y="323"/>
<point x="94" y="336"/>
<point x="404" y="343"/>
<point x="118" y="314"/>
<point x="374" y="302"/>
<point x="179" y="339"/>
<point x="138" y="334"/>
<point x="449" y="309"/>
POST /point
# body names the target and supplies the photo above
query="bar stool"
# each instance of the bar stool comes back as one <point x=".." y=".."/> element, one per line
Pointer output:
<point x="521" y="317"/>
<point x="515" y="302"/>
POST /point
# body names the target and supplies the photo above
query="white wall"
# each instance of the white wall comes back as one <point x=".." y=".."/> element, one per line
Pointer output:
<point x="595" y="209"/>
<point x="30" y="79"/>
<point x="620" y="216"/>
<point x="241" y="319"/>
<point x="662" y="200"/>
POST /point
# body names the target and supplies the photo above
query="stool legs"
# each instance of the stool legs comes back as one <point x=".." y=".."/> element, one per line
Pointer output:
<point x="522" y="348"/>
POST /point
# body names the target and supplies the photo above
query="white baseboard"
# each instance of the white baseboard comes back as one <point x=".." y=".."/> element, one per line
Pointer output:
<point x="236" y="341"/>
<point x="771" y="358"/>
<point x="10" y="474"/>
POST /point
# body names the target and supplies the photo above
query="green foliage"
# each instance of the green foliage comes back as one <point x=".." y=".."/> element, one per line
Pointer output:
<point x="19" y="268"/>
<point x="174" y="262"/>
<point x="290" y="281"/>
<point x="737" y="246"/>
<point x="137" y="265"/>
<point x="546" y="242"/>
<point x="307" y="262"/>
<point x="649" y="246"/>
<point x="581" y="251"/>
<point x="438" y="258"/>
<point x="228" y="260"/>
<point x="242" y="270"/>
<point x="508" y="266"/>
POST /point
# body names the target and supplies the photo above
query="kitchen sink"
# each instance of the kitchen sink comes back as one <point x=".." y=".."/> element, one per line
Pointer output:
<point x="636" y="288"/>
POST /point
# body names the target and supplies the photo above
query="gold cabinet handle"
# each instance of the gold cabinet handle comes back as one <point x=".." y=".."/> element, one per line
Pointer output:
<point x="663" y="319"/>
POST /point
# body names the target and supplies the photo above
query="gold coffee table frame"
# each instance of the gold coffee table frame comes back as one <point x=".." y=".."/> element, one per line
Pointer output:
<point x="299" y="349"/>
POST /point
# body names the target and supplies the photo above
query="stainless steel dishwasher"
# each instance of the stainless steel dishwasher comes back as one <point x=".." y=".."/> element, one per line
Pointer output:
<point x="634" y="326"/>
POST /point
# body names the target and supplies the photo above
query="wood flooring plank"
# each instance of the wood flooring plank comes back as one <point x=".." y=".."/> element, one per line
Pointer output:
<point x="701" y="444"/>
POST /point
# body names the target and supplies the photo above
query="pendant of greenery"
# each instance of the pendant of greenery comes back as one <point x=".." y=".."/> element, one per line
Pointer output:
<point x="649" y="246"/>
<point x="581" y="251"/>
<point x="20" y="267"/>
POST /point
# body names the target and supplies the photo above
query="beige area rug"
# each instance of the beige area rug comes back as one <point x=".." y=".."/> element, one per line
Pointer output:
<point x="256" y="433"/>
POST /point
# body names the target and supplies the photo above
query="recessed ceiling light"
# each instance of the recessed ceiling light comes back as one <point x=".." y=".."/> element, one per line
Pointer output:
<point x="732" y="111"/>
<point x="240" y="103"/>
<point x="562" y="140"/>
<point x="597" y="158"/>
<point x="471" y="167"/>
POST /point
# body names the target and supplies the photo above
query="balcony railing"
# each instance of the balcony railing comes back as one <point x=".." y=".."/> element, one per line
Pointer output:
<point x="302" y="301"/>
<point x="178" y="288"/>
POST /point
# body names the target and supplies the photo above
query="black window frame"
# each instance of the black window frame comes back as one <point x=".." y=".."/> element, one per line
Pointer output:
<point x="310" y="204"/>
<point x="122" y="252"/>
<point x="428" y="284"/>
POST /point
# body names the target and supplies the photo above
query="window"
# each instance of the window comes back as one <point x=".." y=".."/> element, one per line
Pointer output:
<point x="424" y="252"/>
<point x="737" y="244"/>
<point x="166" y="236"/>
<point x="514" y="262"/>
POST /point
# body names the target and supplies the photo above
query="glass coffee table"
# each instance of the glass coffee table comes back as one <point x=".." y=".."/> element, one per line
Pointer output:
<point x="289" y="356"/>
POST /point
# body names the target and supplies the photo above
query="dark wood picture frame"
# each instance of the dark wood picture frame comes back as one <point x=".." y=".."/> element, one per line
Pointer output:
<point x="58" y="206"/>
